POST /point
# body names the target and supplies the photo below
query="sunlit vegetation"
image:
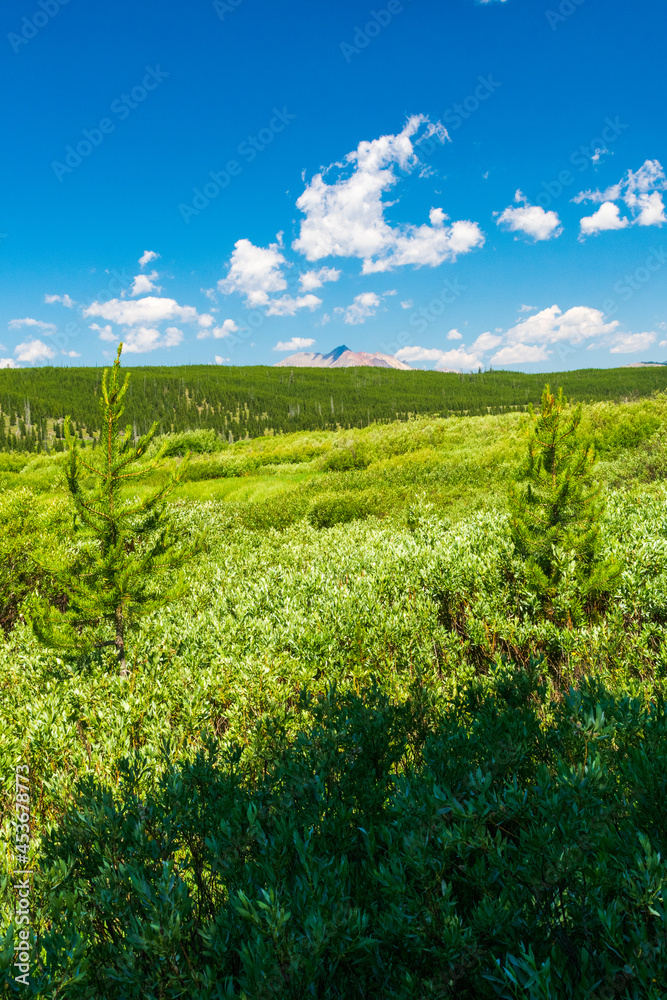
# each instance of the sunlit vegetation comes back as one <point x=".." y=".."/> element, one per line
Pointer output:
<point x="372" y="751"/>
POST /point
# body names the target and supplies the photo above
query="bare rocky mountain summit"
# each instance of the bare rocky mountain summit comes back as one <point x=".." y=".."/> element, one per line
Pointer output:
<point x="342" y="357"/>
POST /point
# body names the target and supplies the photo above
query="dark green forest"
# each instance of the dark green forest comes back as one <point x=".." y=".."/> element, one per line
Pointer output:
<point x="241" y="402"/>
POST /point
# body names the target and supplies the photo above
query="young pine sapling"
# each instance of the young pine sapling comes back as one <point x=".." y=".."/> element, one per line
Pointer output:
<point x="555" y="518"/>
<point x="129" y="553"/>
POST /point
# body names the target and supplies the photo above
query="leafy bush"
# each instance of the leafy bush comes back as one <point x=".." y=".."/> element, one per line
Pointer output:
<point x="274" y="513"/>
<point x="226" y="464"/>
<point x="199" y="442"/>
<point x="485" y="848"/>
<point x="351" y="454"/>
<point x="29" y="533"/>
<point x="619" y="428"/>
<point x="342" y="508"/>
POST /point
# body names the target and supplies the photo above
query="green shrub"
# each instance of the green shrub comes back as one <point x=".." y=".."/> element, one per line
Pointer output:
<point x="275" y="513"/>
<point x="29" y="536"/>
<point x="348" y="455"/>
<point x="485" y="849"/>
<point x="342" y="508"/>
<point x="228" y="464"/>
<point x="199" y="442"/>
<point x="622" y="427"/>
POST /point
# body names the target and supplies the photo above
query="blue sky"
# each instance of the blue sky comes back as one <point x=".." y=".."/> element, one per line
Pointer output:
<point x="460" y="184"/>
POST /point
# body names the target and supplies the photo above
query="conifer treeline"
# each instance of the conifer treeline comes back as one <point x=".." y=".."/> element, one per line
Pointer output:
<point x="248" y="402"/>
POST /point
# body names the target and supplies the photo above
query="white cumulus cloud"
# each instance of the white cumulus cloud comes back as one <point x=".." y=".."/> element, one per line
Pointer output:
<point x="346" y="218"/>
<point x="144" y="283"/>
<point x="551" y="326"/>
<point x="532" y="220"/>
<point x="534" y="339"/>
<point x="640" y="192"/>
<point x="288" y="305"/>
<point x="254" y="272"/>
<point x="607" y="217"/>
<point x="7" y="363"/>
<point x="631" y="343"/>
<point x="144" y="339"/>
<point x="651" y="210"/>
<point x="486" y="342"/>
<point x="148" y="311"/>
<point x="144" y="318"/>
<point x="105" y="332"/>
<point x="228" y="327"/>
<point x="458" y="359"/>
<point x="515" y="354"/>
<point x="295" y="344"/>
<point x="33" y="351"/>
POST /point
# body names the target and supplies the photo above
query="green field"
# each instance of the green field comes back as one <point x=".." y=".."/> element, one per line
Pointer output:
<point x="352" y="761"/>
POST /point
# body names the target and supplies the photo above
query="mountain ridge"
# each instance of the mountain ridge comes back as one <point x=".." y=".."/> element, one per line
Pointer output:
<point x="342" y="357"/>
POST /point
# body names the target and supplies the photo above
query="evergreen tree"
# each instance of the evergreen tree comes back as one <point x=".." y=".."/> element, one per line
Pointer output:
<point x="555" y="519"/>
<point x="126" y="564"/>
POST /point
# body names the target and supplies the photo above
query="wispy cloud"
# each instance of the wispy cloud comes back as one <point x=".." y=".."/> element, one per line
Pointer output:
<point x="16" y="324"/>
<point x="146" y="257"/>
<point x="362" y="308"/>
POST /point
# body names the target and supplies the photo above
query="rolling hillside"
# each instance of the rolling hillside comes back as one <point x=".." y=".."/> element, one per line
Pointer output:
<point x="252" y="401"/>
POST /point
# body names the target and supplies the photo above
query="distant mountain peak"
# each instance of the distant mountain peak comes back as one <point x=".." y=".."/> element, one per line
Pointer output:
<point x="342" y="357"/>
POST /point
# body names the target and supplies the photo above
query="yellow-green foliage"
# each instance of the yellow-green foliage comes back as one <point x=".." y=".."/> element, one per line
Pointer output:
<point x="400" y="573"/>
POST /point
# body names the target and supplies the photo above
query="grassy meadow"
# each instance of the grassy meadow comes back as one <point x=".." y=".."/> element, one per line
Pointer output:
<point x="353" y="760"/>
